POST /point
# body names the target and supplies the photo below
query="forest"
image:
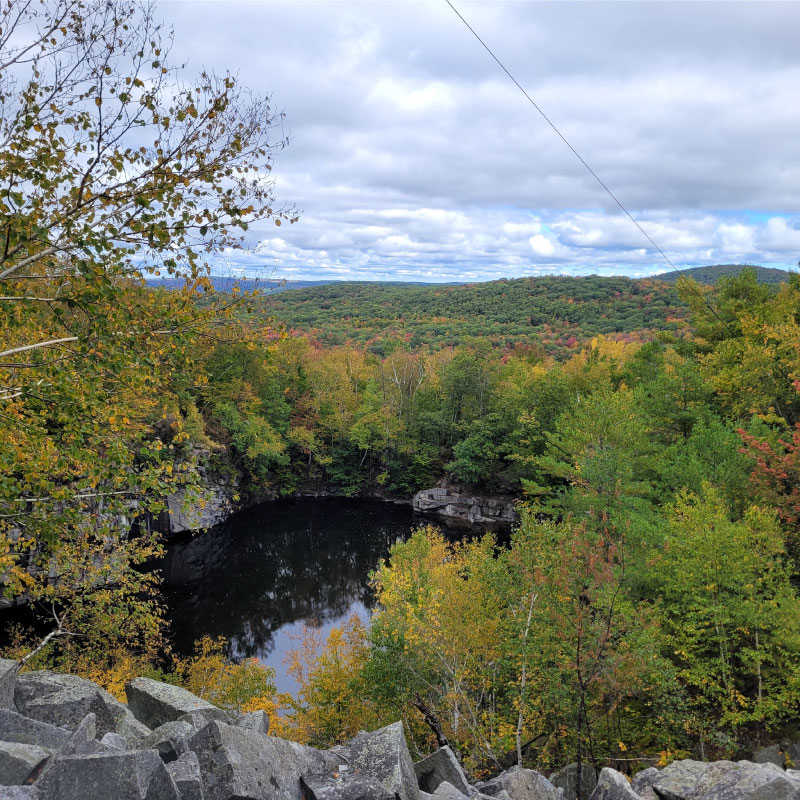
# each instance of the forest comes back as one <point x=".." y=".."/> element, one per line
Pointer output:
<point x="645" y="608"/>
<point x="554" y="313"/>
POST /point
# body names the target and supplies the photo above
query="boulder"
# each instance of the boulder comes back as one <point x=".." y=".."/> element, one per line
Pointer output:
<point x="63" y="700"/>
<point x="785" y="755"/>
<point x="16" y="728"/>
<point x="772" y="754"/>
<point x="446" y="791"/>
<point x="20" y="793"/>
<point x="439" y="767"/>
<point x="744" y="780"/>
<point x="185" y="773"/>
<point x="132" y="775"/>
<point x="154" y="703"/>
<point x="567" y="779"/>
<point x="170" y="739"/>
<point x="613" y="785"/>
<point x="8" y="682"/>
<point x="114" y="741"/>
<point x="343" y="786"/>
<point x="82" y="742"/>
<point x="677" y="781"/>
<point x="236" y="762"/>
<point x="19" y="761"/>
<point x="522" y="784"/>
<point x="255" y="721"/>
<point x="725" y="780"/>
<point x="383" y="754"/>
<point x="642" y="783"/>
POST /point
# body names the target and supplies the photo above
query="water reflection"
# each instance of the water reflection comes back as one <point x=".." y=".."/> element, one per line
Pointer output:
<point x="255" y="579"/>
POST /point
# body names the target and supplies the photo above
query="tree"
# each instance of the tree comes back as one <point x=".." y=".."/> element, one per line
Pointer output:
<point x="730" y="614"/>
<point x="112" y="167"/>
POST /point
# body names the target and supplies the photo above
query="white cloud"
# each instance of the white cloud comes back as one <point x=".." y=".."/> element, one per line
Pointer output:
<point x="412" y="155"/>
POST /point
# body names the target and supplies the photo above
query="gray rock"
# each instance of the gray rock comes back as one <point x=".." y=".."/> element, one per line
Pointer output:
<point x="130" y="729"/>
<point x="243" y="764"/>
<point x="133" y="775"/>
<point x="447" y="503"/>
<point x="446" y="791"/>
<point x="114" y="741"/>
<point x="744" y="780"/>
<point x="170" y="739"/>
<point x="154" y="703"/>
<point x="185" y="773"/>
<point x="522" y="784"/>
<point x="63" y="700"/>
<point x="19" y="761"/>
<point x="678" y="780"/>
<point x="613" y="785"/>
<point x="255" y="721"/>
<point x="16" y="728"/>
<point x="384" y="755"/>
<point x="567" y="779"/>
<point x="20" y="793"/>
<point x="785" y="755"/>
<point x="82" y="742"/>
<point x="773" y="754"/>
<point x="642" y="783"/>
<point x="343" y="786"/>
<point x="725" y="780"/>
<point x="8" y="681"/>
<point x="202" y="717"/>
<point x="439" y="767"/>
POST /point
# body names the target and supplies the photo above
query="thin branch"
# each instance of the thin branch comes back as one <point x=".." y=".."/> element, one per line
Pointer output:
<point x="35" y="346"/>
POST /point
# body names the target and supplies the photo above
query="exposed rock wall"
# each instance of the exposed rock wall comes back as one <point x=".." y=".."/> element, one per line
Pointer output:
<point x="469" y="509"/>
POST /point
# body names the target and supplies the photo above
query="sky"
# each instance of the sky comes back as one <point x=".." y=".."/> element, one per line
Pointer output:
<point x="413" y="157"/>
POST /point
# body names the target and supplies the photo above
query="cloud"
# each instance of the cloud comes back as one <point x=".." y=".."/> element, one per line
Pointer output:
<point x="413" y="156"/>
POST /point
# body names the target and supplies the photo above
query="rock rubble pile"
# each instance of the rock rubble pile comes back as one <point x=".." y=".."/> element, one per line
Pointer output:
<point x="65" y="738"/>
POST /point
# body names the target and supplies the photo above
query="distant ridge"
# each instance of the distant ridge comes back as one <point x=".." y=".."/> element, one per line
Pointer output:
<point x="710" y="275"/>
<point x="223" y="283"/>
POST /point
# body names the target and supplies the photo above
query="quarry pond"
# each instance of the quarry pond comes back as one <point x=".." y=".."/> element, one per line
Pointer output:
<point x="263" y="574"/>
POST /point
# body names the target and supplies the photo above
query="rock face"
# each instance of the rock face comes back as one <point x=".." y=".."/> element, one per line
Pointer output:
<point x="724" y="780"/>
<point x="19" y="761"/>
<point x="439" y="767"/>
<point x="8" y="682"/>
<point x="240" y="763"/>
<point x="567" y="779"/>
<point x="613" y="785"/>
<point x="184" y="514"/>
<point x="522" y="784"/>
<point x="154" y="703"/>
<point x="344" y="786"/>
<point x="132" y="775"/>
<point x="384" y="755"/>
<point x="466" y="508"/>
<point x="785" y="756"/>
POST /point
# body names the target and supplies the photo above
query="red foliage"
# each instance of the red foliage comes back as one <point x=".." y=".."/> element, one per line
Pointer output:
<point x="776" y="478"/>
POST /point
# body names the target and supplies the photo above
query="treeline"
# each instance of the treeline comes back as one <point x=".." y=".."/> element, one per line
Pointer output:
<point x="559" y="314"/>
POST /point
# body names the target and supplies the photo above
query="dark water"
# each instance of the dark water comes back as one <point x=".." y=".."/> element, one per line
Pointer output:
<point x="256" y="579"/>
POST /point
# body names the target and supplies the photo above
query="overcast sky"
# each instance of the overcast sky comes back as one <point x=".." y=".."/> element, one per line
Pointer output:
<point x="413" y="157"/>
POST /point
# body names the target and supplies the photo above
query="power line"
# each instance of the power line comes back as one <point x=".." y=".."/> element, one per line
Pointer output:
<point x="581" y="159"/>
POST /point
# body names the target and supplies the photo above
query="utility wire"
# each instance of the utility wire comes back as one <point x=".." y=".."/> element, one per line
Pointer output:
<point x="563" y="138"/>
<point x="581" y="159"/>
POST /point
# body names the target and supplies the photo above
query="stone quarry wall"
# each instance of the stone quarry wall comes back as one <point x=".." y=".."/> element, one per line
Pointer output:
<point x="450" y="504"/>
<point x="65" y="738"/>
